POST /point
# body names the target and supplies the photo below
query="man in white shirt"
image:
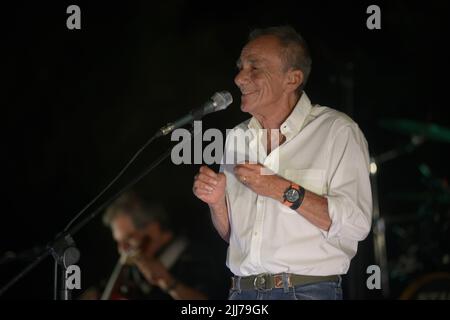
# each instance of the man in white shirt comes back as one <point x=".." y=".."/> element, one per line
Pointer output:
<point x="292" y="233"/>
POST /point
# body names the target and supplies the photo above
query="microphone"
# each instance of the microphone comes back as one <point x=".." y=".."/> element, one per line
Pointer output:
<point x="219" y="101"/>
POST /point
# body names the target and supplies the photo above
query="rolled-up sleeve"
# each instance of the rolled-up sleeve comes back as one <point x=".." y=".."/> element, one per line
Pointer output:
<point x="349" y="192"/>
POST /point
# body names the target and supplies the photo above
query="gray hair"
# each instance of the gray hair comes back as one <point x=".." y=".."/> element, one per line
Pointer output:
<point x="140" y="212"/>
<point x="296" y="53"/>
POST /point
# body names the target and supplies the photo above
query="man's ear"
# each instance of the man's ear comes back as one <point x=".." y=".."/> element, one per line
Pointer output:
<point x="294" y="79"/>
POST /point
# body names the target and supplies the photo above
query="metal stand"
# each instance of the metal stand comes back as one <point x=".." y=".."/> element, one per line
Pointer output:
<point x="379" y="234"/>
<point x="65" y="254"/>
<point x="63" y="247"/>
<point x="379" y="224"/>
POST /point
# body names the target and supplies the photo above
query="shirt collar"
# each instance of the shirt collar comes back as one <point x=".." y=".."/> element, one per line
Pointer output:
<point x="295" y="121"/>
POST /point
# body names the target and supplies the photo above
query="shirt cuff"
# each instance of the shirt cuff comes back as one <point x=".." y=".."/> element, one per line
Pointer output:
<point x="347" y="220"/>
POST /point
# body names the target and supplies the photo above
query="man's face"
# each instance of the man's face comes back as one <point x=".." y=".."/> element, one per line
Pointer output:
<point x="261" y="77"/>
<point x="125" y="233"/>
<point x="128" y="237"/>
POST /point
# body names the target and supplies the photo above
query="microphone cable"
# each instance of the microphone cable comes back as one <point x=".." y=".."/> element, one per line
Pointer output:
<point x="121" y="172"/>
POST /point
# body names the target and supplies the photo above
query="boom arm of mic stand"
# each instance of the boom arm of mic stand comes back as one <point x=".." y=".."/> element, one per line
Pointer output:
<point x="416" y="141"/>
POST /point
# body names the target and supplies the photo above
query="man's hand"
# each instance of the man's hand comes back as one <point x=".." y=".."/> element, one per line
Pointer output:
<point x="157" y="274"/>
<point x="154" y="271"/>
<point x="209" y="186"/>
<point x="268" y="185"/>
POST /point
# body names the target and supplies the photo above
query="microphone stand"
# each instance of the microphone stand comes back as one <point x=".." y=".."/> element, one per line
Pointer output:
<point x="26" y="255"/>
<point x="63" y="248"/>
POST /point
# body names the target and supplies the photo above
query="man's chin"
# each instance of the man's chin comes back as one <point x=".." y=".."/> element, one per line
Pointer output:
<point x="248" y="102"/>
<point x="246" y="107"/>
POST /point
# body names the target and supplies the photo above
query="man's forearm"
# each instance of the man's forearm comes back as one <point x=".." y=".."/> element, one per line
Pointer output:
<point x="219" y="217"/>
<point x="314" y="208"/>
<point x="179" y="291"/>
<point x="183" y="292"/>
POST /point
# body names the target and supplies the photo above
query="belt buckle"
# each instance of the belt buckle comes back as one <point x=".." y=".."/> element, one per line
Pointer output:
<point x="260" y="282"/>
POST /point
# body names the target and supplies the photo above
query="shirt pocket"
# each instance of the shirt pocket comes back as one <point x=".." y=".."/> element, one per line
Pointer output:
<point x="310" y="179"/>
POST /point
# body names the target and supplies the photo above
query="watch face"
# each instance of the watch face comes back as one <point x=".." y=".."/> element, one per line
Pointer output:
<point x="292" y="195"/>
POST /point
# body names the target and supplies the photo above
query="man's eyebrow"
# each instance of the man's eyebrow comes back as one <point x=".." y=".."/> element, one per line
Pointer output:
<point x="251" y="60"/>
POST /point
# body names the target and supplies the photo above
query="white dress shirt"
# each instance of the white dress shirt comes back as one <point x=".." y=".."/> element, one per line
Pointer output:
<point x="326" y="153"/>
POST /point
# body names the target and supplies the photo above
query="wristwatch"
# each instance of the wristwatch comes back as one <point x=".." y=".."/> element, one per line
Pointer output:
<point x="293" y="196"/>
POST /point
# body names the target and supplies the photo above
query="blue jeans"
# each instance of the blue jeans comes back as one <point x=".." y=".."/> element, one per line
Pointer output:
<point x="327" y="290"/>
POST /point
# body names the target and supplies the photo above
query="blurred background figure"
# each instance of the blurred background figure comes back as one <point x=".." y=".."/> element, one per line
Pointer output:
<point x="155" y="261"/>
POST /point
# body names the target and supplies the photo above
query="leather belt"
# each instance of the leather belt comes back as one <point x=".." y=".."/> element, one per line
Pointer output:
<point x="267" y="281"/>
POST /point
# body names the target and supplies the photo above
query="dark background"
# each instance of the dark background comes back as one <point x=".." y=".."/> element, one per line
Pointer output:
<point x="79" y="103"/>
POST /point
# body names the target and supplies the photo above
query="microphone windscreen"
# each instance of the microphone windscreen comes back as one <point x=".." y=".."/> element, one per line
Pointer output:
<point x="221" y="100"/>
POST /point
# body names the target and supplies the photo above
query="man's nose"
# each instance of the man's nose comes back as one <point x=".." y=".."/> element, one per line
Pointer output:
<point x="241" y="78"/>
<point x="123" y="247"/>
